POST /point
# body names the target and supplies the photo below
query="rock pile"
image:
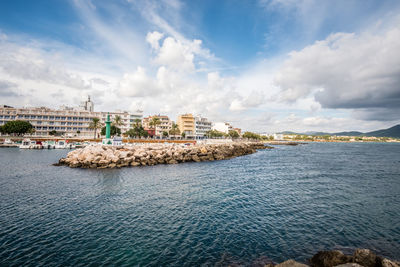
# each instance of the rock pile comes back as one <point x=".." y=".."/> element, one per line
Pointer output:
<point x="101" y="157"/>
<point x="360" y="257"/>
<point x="334" y="258"/>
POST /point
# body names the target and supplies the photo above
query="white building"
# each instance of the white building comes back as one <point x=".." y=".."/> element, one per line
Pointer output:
<point x="127" y="118"/>
<point x="202" y="126"/>
<point x="87" y="105"/>
<point x="65" y="121"/>
<point x="222" y="127"/>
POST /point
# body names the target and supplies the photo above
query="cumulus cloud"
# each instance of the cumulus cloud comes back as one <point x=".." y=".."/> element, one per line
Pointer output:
<point x="137" y="84"/>
<point x="153" y="38"/>
<point x="6" y="88"/>
<point x="32" y="64"/>
<point x="347" y="71"/>
<point x="174" y="53"/>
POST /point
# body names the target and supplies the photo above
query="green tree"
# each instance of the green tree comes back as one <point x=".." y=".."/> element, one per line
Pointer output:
<point x="233" y="134"/>
<point x="154" y="122"/>
<point x="17" y="127"/>
<point x="174" y="129"/>
<point x="137" y="129"/>
<point x="165" y="134"/>
<point x="95" y="124"/>
<point x="250" y="135"/>
<point x="53" y="132"/>
<point x="118" y="121"/>
<point x="114" y="130"/>
<point x="183" y="135"/>
<point x="214" y="134"/>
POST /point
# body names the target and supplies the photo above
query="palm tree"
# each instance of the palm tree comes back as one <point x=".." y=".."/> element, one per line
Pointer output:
<point x="95" y="124"/>
<point x="137" y="128"/>
<point x="118" y="121"/>
<point x="174" y="129"/>
<point x="154" y="122"/>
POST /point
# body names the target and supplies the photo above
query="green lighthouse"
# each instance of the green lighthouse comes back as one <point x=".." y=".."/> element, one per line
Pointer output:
<point x="108" y="127"/>
<point x="108" y="140"/>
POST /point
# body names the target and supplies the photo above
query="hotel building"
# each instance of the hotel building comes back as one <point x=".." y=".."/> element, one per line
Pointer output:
<point x="66" y="120"/>
<point x="186" y="124"/>
<point x="202" y="126"/>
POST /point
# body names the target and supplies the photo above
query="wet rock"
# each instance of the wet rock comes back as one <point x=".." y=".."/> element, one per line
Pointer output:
<point x="365" y="257"/>
<point x="349" y="265"/>
<point x="291" y="263"/>
<point x="388" y="263"/>
<point x="329" y="259"/>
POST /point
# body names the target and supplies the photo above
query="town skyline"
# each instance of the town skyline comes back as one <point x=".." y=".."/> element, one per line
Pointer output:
<point x="264" y="66"/>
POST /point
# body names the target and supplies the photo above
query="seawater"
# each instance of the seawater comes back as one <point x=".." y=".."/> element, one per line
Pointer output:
<point x="289" y="202"/>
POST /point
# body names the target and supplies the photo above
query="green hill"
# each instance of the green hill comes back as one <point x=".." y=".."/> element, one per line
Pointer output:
<point x="390" y="132"/>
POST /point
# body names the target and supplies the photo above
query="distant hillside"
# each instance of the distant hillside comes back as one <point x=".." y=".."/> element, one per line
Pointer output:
<point x="390" y="132"/>
<point x="353" y="133"/>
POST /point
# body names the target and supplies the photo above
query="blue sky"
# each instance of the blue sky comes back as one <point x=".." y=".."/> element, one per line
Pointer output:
<point x="263" y="65"/>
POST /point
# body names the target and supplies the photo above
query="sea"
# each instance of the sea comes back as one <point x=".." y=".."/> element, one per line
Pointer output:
<point x="285" y="203"/>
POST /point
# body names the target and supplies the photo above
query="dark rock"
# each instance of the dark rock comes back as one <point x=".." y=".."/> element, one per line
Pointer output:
<point x="329" y="259"/>
<point x="291" y="263"/>
<point x="366" y="258"/>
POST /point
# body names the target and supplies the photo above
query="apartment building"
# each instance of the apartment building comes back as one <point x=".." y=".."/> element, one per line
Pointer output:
<point x="222" y="127"/>
<point x="164" y="126"/>
<point x="127" y="118"/>
<point x="202" y="126"/>
<point x="186" y="124"/>
<point x="66" y="120"/>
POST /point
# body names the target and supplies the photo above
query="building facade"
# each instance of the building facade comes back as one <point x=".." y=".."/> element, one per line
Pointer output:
<point x="222" y="127"/>
<point x="186" y="125"/>
<point x="164" y="126"/>
<point x="65" y="121"/>
<point x="202" y="126"/>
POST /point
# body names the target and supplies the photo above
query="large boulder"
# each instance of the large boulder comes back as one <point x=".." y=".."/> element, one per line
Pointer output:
<point x="349" y="265"/>
<point x="291" y="263"/>
<point x="388" y="263"/>
<point x="329" y="259"/>
<point x="365" y="257"/>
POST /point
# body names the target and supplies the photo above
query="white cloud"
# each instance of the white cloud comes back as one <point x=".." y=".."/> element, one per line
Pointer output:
<point x="137" y="84"/>
<point x="345" y="71"/>
<point x="153" y="39"/>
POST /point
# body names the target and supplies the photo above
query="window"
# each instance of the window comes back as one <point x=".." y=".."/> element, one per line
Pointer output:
<point x="51" y="117"/>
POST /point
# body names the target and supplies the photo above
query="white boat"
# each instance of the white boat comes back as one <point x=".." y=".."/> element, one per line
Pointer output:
<point x="8" y="141"/>
<point x="27" y="144"/>
<point x="62" y="144"/>
<point x="50" y="144"/>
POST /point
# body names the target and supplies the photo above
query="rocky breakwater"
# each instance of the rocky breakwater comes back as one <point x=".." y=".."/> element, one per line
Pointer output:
<point x="101" y="157"/>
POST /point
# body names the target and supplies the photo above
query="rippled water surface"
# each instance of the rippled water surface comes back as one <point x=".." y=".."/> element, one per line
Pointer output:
<point x="284" y="203"/>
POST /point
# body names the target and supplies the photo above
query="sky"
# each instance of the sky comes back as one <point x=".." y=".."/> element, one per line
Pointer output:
<point x="261" y="65"/>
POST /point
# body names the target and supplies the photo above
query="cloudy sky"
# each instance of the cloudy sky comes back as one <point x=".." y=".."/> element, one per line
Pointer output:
<point x="265" y="66"/>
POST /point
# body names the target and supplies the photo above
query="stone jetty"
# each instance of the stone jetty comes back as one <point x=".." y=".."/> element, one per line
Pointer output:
<point x="101" y="156"/>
